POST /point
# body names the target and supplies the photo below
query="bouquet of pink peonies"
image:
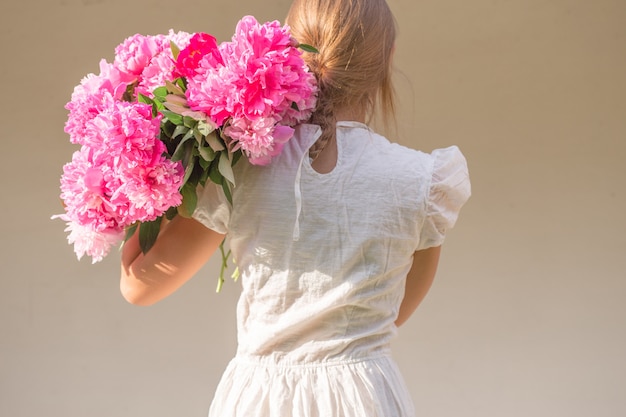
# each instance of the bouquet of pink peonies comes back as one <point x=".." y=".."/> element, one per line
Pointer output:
<point x="169" y="114"/>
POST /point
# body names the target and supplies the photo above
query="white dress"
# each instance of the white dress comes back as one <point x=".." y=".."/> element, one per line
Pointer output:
<point x="323" y="259"/>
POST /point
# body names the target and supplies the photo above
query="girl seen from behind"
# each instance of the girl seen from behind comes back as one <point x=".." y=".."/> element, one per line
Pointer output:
<point x="337" y="240"/>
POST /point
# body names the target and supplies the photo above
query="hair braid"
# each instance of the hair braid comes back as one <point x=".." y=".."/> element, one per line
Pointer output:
<point x="325" y="117"/>
<point x="355" y="39"/>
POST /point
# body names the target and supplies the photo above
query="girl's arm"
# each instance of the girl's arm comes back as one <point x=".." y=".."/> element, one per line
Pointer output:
<point x="418" y="281"/>
<point x="183" y="246"/>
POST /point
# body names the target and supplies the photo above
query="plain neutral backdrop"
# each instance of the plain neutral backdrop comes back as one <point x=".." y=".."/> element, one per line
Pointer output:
<point x="527" y="316"/>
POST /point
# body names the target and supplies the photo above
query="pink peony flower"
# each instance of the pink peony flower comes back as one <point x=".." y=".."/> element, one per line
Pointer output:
<point x="148" y="60"/>
<point x="123" y="128"/>
<point x="118" y="192"/>
<point x="92" y="94"/>
<point x="271" y="72"/>
<point x="260" y="139"/>
<point x="161" y="67"/>
<point x="85" y="192"/>
<point x="135" y="53"/>
<point x="119" y="176"/>
<point x="211" y="91"/>
<point x="155" y="74"/>
<point x="180" y="39"/>
<point x="254" y="87"/>
<point x="87" y="241"/>
<point x="147" y="191"/>
<point x="260" y="76"/>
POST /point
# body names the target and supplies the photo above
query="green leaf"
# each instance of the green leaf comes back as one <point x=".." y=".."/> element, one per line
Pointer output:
<point x="130" y="231"/>
<point x="175" y="50"/>
<point x="198" y="136"/>
<point x="308" y="48"/>
<point x="188" y="135"/>
<point x="190" y="200"/>
<point x="144" y="99"/>
<point x="236" y="156"/>
<point x="214" y="173"/>
<point x="206" y="152"/>
<point x="160" y="92"/>
<point x="167" y="128"/>
<point x="174" y="88"/>
<point x="204" y="176"/>
<point x="171" y="213"/>
<point x="294" y="106"/>
<point x="129" y="93"/>
<point x="189" y="168"/>
<point x="183" y="150"/>
<point x="196" y="171"/>
<point x="148" y="233"/>
<point x="226" y="168"/>
<point x="227" y="191"/>
<point x="190" y="122"/>
<point x="214" y="142"/>
<point x="205" y="128"/>
<point x="160" y="107"/>
<point x="204" y="164"/>
<point x="180" y="130"/>
<point x="175" y="118"/>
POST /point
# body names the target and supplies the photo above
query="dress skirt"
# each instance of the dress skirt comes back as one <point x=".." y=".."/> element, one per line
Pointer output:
<point x="370" y="387"/>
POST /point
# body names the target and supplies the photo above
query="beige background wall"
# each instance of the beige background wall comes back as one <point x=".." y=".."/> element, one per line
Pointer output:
<point x="528" y="313"/>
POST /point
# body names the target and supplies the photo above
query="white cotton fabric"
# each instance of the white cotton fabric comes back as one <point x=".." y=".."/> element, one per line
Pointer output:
<point x="323" y="259"/>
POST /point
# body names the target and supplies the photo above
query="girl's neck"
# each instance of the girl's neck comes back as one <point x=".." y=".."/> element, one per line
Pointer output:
<point x="351" y="114"/>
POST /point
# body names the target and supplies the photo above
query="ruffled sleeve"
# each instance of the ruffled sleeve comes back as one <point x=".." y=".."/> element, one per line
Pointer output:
<point x="449" y="190"/>
<point x="213" y="209"/>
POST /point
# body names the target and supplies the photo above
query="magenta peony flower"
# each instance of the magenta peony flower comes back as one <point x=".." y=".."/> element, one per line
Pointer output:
<point x="200" y="45"/>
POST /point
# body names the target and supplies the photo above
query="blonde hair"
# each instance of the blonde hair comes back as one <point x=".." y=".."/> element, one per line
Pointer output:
<point x="355" y="39"/>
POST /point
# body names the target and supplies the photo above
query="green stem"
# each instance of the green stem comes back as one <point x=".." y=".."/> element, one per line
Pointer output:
<point x="225" y="256"/>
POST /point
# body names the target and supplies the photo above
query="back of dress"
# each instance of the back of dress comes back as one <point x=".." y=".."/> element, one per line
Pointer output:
<point x="323" y="259"/>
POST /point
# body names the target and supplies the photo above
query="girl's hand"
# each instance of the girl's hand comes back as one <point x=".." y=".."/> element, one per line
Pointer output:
<point x="418" y="281"/>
